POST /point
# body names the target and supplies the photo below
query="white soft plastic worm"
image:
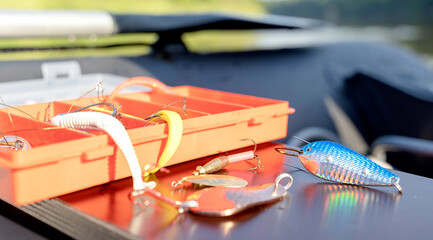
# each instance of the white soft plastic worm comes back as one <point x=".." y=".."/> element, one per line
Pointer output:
<point x="112" y="126"/>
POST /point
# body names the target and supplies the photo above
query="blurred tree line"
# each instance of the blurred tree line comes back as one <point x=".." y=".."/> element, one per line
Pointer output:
<point x="358" y="12"/>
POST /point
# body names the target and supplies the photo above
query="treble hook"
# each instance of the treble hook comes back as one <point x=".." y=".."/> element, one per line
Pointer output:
<point x="220" y="162"/>
<point x="250" y="139"/>
<point x="281" y="150"/>
<point x="259" y="163"/>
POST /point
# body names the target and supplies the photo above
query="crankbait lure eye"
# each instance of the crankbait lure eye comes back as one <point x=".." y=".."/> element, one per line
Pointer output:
<point x="334" y="162"/>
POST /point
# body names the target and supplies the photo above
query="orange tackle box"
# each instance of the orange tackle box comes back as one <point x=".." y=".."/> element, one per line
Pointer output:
<point x="63" y="160"/>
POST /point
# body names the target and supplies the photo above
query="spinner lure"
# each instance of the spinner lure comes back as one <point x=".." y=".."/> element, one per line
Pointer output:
<point x="334" y="162"/>
<point x="223" y="201"/>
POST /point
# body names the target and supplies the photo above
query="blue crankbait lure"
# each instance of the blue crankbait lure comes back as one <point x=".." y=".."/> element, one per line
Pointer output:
<point x="334" y="162"/>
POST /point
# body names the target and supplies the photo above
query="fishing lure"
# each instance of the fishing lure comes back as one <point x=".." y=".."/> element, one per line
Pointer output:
<point x="220" y="162"/>
<point x="334" y="162"/>
<point x="203" y="177"/>
<point x="223" y="201"/>
<point x="175" y="130"/>
<point x="211" y="180"/>
<point x="112" y="126"/>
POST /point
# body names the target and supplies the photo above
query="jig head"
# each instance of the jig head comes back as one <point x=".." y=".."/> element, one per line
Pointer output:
<point x="334" y="162"/>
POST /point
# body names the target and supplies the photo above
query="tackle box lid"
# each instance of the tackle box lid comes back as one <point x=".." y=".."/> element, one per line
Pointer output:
<point x="60" y="81"/>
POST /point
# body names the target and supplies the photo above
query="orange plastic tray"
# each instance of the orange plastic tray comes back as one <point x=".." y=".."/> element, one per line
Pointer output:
<point x="64" y="160"/>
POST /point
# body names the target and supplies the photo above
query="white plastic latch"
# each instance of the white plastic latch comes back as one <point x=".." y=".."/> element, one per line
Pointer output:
<point x="54" y="71"/>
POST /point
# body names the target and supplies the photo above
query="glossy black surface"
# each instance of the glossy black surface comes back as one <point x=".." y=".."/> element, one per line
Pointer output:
<point x="313" y="209"/>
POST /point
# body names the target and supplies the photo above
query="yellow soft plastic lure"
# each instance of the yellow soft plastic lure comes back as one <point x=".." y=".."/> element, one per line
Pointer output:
<point x="175" y="130"/>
